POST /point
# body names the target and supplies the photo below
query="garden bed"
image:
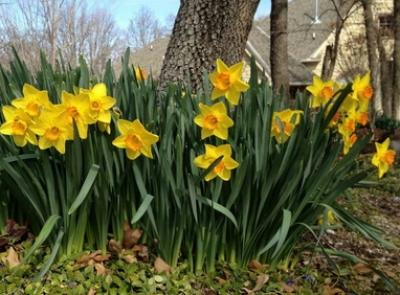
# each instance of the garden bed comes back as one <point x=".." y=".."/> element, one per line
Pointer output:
<point x="301" y="275"/>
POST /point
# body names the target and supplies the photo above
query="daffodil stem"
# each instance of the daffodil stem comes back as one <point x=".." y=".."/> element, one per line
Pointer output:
<point x="212" y="253"/>
<point x="199" y="253"/>
<point x="232" y="256"/>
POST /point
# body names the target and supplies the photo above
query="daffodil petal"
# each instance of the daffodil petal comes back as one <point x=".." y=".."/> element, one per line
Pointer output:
<point x="119" y="142"/>
<point x="132" y="155"/>
<point x="99" y="90"/>
<point x="20" y="140"/>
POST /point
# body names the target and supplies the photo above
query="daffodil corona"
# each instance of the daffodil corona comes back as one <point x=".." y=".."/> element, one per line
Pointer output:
<point x="33" y="102"/>
<point x="363" y="91"/>
<point x="322" y="92"/>
<point x="135" y="139"/>
<point x="54" y="130"/>
<point x="77" y="110"/>
<point x="227" y="82"/>
<point x="100" y="106"/>
<point x="225" y="165"/>
<point x="213" y="120"/>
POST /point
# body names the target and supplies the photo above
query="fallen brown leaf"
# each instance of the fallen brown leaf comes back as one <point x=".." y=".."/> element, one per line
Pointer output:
<point x="128" y="258"/>
<point x="15" y="230"/>
<point x="161" y="266"/>
<point x="220" y="280"/>
<point x="288" y="288"/>
<point x="114" y="246"/>
<point x="256" y="265"/>
<point x="12" y="258"/>
<point x="89" y="259"/>
<point x="141" y="252"/>
<point x="361" y="268"/>
<point x="262" y="279"/>
<point x="101" y="270"/>
<point x="328" y="290"/>
<point x="92" y="291"/>
<point x="130" y="236"/>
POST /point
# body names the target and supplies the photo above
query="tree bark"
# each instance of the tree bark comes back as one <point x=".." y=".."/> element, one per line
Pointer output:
<point x="327" y="63"/>
<point x="386" y="80"/>
<point x="332" y="51"/>
<point x="396" y="61"/>
<point x="205" y="30"/>
<point x="373" y="55"/>
<point x="279" y="47"/>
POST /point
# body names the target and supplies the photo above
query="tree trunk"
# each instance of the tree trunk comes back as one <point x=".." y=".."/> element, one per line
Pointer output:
<point x="343" y="12"/>
<point x="396" y="58"/>
<point x="373" y="56"/>
<point x="326" y="63"/>
<point x="205" y="30"/>
<point x="386" y="80"/>
<point x="279" y="47"/>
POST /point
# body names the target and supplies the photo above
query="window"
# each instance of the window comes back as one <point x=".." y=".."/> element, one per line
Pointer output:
<point x="386" y="25"/>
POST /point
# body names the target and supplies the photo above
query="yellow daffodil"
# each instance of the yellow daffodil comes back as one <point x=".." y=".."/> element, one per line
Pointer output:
<point x="54" y="129"/>
<point x="348" y="142"/>
<point x="384" y="157"/>
<point x="347" y="126"/>
<point x="135" y="139"/>
<point x="349" y="121"/>
<point x="322" y="92"/>
<point x="100" y="106"/>
<point x="363" y="91"/>
<point x="18" y="125"/>
<point x="213" y="120"/>
<point x="329" y="217"/>
<point x="33" y="101"/>
<point x="224" y="167"/>
<point x="227" y="82"/>
<point x="140" y="74"/>
<point x="283" y="124"/>
<point x="77" y="110"/>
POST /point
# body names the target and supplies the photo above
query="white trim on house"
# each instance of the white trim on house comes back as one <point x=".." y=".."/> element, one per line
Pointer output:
<point x="260" y="63"/>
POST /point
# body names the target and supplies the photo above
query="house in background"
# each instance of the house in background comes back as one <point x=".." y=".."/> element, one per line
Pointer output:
<point x="311" y="28"/>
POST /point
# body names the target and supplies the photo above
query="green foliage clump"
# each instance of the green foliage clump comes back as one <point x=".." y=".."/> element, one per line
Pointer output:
<point x="278" y="192"/>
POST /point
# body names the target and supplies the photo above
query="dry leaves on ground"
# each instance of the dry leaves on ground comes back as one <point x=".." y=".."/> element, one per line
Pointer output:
<point x="11" y="259"/>
<point x="131" y="236"/>
<point x="260" y="282"/>
<point x="161" y="266"/>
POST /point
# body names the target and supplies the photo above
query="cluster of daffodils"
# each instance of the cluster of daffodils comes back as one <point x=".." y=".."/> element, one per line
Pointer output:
<point x="214" y="120"/>
<point x="352" y="112"/>
<point x="354" y="109"/>
<point x="34" y="119"/>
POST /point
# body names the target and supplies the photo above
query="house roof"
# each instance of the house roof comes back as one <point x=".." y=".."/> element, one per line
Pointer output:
<point x="305" y="35"/>
<point x="305" y="38"/>
<point x="150" y="57"/>
<point x="258" y="47"/>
